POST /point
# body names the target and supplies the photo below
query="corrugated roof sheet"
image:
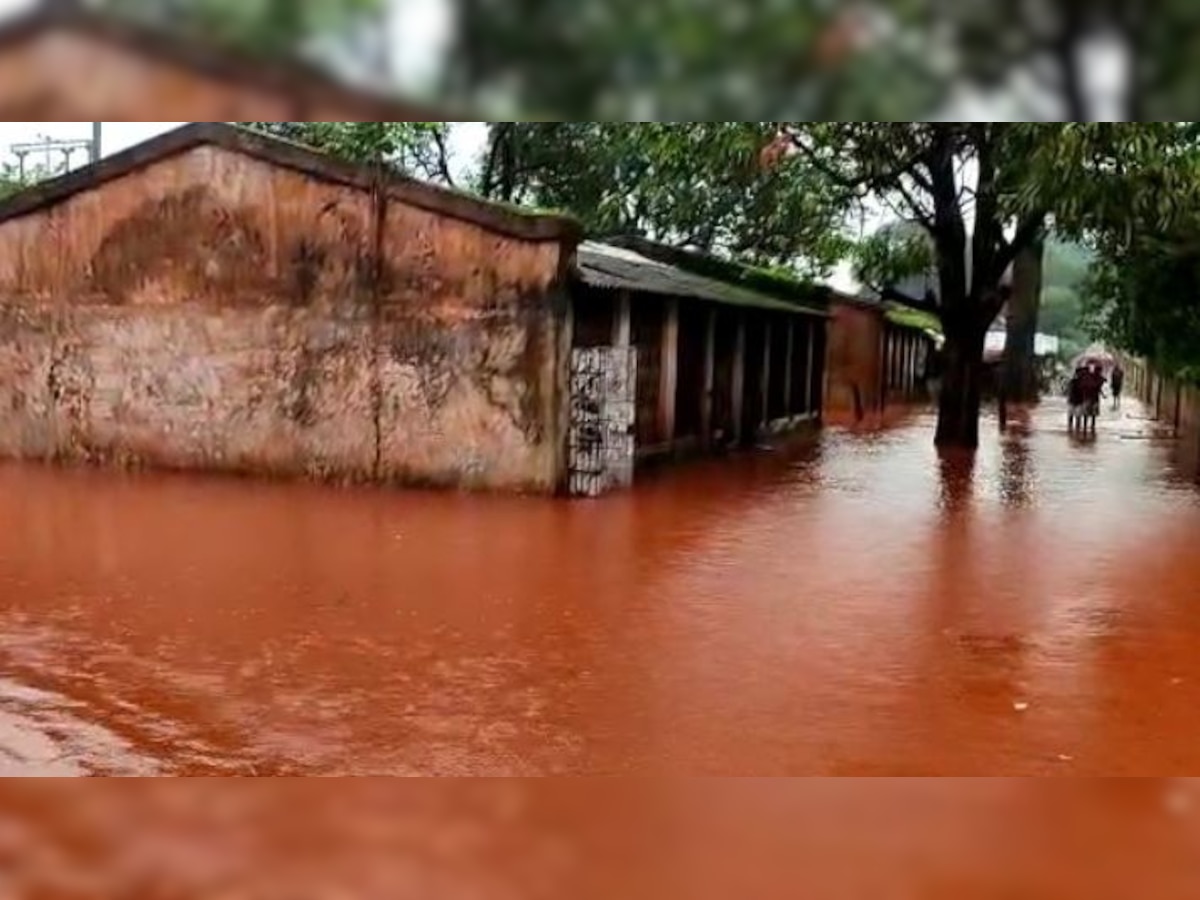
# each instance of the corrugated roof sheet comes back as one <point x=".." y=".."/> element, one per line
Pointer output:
<point x="605" y="266"/>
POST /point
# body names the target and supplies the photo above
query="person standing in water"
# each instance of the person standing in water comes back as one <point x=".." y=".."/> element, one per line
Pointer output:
<point x="1118" y="385"/>
<point x="1076" y="400"/>
<point x="1093" y="390"/>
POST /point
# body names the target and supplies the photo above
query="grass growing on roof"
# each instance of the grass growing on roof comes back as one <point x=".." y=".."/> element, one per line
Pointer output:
<point x="907" y="317"/>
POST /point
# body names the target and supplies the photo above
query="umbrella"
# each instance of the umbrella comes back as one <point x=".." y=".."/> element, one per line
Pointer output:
<point x="1096" y="356"/>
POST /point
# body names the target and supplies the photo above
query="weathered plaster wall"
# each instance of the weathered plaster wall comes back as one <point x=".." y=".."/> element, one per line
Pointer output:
<point x="853" y="358"/>
<point x="216" y="311"/>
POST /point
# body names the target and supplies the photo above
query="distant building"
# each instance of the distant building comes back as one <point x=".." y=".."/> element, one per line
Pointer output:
<point x="720" y="361"/>
<point x="879" y="354"/>
<point x="1044" y="345"/>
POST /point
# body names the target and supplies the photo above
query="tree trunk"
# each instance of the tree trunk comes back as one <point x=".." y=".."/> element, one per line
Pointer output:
<point x="1020" y="361"/>
<point x="961" y="393"/>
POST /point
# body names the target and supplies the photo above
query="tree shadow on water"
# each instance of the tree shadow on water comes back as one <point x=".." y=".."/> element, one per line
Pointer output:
<point x="1018" y="475"/>
<point x="956" y="478"/>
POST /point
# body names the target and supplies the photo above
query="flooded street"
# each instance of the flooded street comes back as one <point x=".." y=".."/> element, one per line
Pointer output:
<point x="848" y="607"/>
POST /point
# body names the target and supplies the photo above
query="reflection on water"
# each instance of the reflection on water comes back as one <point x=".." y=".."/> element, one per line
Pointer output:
<point x="853" y="605"/>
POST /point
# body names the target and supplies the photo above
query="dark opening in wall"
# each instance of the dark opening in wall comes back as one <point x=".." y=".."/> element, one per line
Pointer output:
<point x="646" y="334"/>
<point x="800" y="401"/>
<point x="780" y="367"/>
<point x="594" y="313"/>
<point x="724" y="361"/>
<point x="753" y="411"/>
<point x="689" y="387"/>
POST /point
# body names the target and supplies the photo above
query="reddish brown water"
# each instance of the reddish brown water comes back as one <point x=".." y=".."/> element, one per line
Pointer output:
<point x="851" y="607"/>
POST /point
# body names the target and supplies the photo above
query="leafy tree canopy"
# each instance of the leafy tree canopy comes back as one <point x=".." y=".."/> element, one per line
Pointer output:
<point x="872" y="59"/>
<point x="420" y="149"/>
<point x="270" y="27"/>
<point x="699" y="184"/>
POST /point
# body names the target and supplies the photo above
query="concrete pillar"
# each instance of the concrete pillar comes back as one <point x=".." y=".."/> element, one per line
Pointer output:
<point x="810" y="345"/>
<point x="562" y="384"/>
<point x="765" y="376"/>
<point x="622" y="319"/>
<point x="789" y="366"/>
<point x="737" y="401"/>
<point x="710" y="377"/>
<point x="908" y="365"/>
<point x="669" y="376"/>
<point x="815" y="387"/>
<point x="882" y="397"/>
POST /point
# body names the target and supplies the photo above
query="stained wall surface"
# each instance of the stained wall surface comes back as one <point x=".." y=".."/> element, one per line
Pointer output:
<point x="853" y="357"/>
<point x="216" y="311"/>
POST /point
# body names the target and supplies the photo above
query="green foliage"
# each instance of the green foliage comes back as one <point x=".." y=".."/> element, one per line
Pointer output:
<point x="1067" y="267"/>
<point x="13" y="182"/>
<point x="868" y="60"/>
<point x="1066" y="264"/>
<point x="892" y="255"/>
<point x="1145" y="298"/>
<point x="415" y="148"/>
<point x="701" y="59"/>
<point x="913" y="318"/>
<point x="1062" y="310"/>
<point x="1138" y="205"/>
<point x="696" y="184"/>
<point x="270" y="27"/>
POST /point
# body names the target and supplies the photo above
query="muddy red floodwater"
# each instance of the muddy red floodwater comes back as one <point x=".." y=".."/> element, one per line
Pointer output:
<point x="851" y="606"/>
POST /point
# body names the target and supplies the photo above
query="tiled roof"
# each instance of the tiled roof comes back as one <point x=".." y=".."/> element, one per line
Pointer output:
<point x="617" y="268"/>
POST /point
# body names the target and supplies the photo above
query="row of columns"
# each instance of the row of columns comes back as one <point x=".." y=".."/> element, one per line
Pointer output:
<point x="669" y="371"/>
<point x="903" y="362"/>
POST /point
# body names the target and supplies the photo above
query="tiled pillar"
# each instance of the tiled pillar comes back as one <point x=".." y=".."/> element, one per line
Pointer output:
<point x="710" y="375"/>
<point x="669" y="376"/>
<point x="738" y="400"/>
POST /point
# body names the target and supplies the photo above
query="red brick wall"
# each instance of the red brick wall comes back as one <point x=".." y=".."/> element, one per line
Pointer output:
<point x="214" y="311"/>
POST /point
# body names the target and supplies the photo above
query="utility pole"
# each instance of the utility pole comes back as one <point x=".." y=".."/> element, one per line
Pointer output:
<point x="95" y="149"/>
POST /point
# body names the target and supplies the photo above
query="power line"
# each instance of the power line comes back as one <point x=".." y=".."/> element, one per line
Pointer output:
<point x="57" y="155"/>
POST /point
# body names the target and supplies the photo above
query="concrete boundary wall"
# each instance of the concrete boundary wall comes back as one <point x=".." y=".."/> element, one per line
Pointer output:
<point x="1170" y="400"/>
<point x="213" y="310"/>
<point x="1171" y="403"/>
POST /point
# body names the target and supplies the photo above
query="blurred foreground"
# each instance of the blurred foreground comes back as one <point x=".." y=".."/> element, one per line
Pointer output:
<point x="1044" y="60"/>
<point x="858" y="839"/>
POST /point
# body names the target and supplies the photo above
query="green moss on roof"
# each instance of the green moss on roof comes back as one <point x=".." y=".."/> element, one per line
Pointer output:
<point x="907" y="317"/>
<point x="778" y="283"/>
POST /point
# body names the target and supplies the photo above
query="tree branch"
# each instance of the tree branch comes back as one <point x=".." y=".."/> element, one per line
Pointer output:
<point x="443" y="157"/>
<point x="874" y="180"/>
<point x="1027" y="232"/>
<point x="989" y="232"/>
<point x="949" y="230"/>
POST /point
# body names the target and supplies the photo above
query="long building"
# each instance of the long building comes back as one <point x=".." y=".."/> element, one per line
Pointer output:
<point x="216" y="299"/>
